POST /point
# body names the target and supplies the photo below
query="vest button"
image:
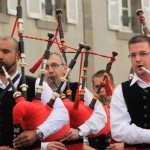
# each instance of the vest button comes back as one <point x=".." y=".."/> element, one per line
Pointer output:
<point x="145" y="107"/>
<point x="144" y="97"/>
<point x="145" y="116"/>
<point x="145" y="124"/>
<point x="145" y="90"/>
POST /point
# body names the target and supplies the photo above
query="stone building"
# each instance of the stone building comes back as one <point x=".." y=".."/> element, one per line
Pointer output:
<point x="106" y="25"/>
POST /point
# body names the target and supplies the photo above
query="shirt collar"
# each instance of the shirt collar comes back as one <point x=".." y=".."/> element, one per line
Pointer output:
<point x="12" y="77"/>
<point x="139" y="81"/>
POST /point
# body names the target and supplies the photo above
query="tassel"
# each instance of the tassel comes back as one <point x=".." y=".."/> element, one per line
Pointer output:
<point x="108" y="87"/>
<point x="36" y="65"/>
<point x="77" y="100"/>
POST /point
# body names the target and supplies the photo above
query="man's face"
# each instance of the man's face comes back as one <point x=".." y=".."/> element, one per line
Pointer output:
<point x="96" y="84"/>
<point x="8" y="57"/>
<point x="55" y="69"/>
<point x="103" y="90"/>
<point x="140" y="58"/>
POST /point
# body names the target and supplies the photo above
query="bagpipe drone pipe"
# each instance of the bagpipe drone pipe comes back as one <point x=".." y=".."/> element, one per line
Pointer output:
<point x="78" y="111"/>
<point x="29" y="115"/>
<point x="75" y="144"/>
<point x="104" y="83"/>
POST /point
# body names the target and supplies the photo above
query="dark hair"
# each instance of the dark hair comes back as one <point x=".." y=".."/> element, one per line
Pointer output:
<point x="100" y="73"/>
<point x="139" y="39"/>
<point x="15" y="42"/>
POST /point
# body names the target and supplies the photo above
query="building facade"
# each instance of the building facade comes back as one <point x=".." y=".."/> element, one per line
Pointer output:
<point x="105" y="25"/>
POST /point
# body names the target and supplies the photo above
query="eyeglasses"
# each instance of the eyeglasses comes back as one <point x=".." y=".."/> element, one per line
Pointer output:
<point x="97" y="86"/>
<point x="53" y="66"/>
<point x="141" y="54"/>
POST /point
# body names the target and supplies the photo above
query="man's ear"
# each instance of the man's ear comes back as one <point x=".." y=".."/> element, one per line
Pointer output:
<point x="18" y="55"/>
<point x="65" y="68"/>
<point x="113" y="86"/>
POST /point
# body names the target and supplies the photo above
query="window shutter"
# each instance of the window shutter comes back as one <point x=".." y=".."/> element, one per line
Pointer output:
<point x="114" y="14"/>
<point x="11" y="7"/>
<point x="34" y="8"/>
<point x="145" y="4"/>
<point x="72" y="11"/>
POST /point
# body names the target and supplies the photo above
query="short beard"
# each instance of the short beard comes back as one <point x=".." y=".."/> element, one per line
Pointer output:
<point x="7" y="67"/>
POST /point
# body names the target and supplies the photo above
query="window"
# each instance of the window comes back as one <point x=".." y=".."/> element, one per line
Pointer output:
<point x="145" y="5"/>
<point x="126" y="15"/>
<point x="72" y="11"/>
<point x="119" y="15"/>
<point x="1" y="8"/>
<point x="122" y="15"/>
<point x="50" y="7"/>
<point x="46" y="9"/>
<point x="11" y="7"/>
<point x="3" y="16"/>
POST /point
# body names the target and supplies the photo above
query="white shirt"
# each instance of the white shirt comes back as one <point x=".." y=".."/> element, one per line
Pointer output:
<point x="59" y="115"/>
<point x="98" y="118"/>
<point x="121" y="129"/>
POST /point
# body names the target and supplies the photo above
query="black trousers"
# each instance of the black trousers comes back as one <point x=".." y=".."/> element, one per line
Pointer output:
<point x="99" y="142"/>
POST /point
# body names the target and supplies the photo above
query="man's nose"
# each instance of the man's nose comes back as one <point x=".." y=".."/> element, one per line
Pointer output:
<point x="138" y="58"/>
<point x="102" y="89"/>
<point x="49" y="69"/>
<point x="1" y="55"/>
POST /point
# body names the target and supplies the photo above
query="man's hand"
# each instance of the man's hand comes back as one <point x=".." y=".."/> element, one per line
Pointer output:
<point x="54" y="145"/>
<point x="116" y="146"/>
<point x="25" y="139"/>
<point x="6" y="148"/>
<point x="73" y="134"/>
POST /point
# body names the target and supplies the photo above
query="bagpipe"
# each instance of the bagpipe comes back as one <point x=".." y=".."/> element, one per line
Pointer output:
<point x="78" y="111"/>
<point x="104" y="83"/>
<point x="29" y="115"/>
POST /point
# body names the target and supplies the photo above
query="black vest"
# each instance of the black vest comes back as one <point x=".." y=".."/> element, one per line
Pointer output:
<point x="6" y="107"/>
<point x="73" y="88"/>
<point x="138" y="105"/>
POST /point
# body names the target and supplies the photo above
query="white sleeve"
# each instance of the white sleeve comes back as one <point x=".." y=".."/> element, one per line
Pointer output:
<point x="44" y="145"/>
<point x="121" y="129"/>
<point x="58" y="117"/>
<point x="98" y="118"/>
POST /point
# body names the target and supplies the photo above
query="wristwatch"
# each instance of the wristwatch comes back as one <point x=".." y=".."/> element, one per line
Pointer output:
<point x="39" y="134"/>
<point x="80" y="133"/>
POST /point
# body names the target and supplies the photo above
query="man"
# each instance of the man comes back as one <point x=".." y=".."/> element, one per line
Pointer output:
<point x="130" y="117"/>
<point x="96" y="78"/>
<point x="105" y="99"/>
<point x="56" y="68"/>
<point x="9" y="56"/>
